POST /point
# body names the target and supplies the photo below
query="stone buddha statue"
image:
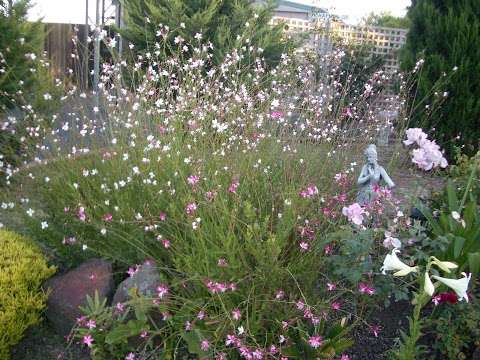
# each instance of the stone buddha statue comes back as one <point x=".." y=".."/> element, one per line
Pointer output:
<point x="370" y="177"/>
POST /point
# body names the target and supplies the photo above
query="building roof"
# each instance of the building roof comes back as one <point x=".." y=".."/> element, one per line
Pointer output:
<point x="293" y="6"/>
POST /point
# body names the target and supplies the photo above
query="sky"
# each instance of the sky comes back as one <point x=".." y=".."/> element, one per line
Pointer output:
<point x="355" y="10"/>
<point x="73" y="11"/>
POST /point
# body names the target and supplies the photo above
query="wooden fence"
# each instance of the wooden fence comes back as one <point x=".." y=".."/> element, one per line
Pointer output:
<point x="65" y="48"/>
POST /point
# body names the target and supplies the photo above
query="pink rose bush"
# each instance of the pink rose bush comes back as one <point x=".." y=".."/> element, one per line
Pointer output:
<point x="354" y="213"/>
<point x="428" y="155"/>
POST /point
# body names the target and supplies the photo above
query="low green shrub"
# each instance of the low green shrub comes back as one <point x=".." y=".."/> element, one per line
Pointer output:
<point x="22" y="271"/>
<point x="456" y="329"/>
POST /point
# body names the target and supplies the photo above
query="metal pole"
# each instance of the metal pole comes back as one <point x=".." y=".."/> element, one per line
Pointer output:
<point x="85" y="51"/>
<point x="103" y="12"/>
<point x="96" y="55"/>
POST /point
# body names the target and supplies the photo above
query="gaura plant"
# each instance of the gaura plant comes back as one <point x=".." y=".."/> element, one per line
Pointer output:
<point x="408" y="350"/>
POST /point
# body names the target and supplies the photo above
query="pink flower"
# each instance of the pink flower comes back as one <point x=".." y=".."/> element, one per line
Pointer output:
<point x="315" y="341"/>
<point x="166" y="243"/>
<point x="232" y="340"/>
<point x="88" y="340"/>
<point x="191" y="208"/>
<point x="162" y="216"/>
<point x="233" y="186"/>
<point x="205" y="345"/>
<point x="336" y="305"/>
<point x="345" y="357"/>
<point x="120" y="307"/>
<point x="81" y="214"/>
<point x="365" y="289"/>
<point x="91" y="324"/>
<point x="107" y="217"/>
<point x="210" y="195"/>
<point x="131" y="271"/>
<point x="280" y="295"/>
<point x="328" y="249"/>
<point x="331" y="286"/>
<point x="375" y="329"/>
<point x="415" y="135"/>
<point x="236" y="314"/>
<point x="346" y="112"/>
<point x="354" y="213"/>
<point x="130" y="356"/>
<point x="201" y="315"/>
<point x="428" y="155"/>
<point x="300" y="305"/>
<point x="257" y="354"/>
<point x="222" y="262"/>
<point x="162" y="291"/>
<point x="309" y="192"/>
<point x="304" y="246"/>
<point x="188" y="325"/>
<point x="276" y="114"/>
<point x="193" y="179"/>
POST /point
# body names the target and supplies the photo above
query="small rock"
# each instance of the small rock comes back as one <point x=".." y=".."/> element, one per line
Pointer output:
<point x="69" y="291"/>
<point x="146" y="280"/>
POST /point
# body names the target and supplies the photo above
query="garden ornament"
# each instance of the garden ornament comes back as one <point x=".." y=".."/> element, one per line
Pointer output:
<point x="371" y="175"/>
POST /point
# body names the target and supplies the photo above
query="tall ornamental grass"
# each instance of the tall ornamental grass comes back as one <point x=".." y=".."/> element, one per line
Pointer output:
<point x="229" y="177"/>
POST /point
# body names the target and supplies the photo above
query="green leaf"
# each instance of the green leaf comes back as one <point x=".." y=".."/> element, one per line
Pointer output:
<point x="474" y="262"/>
<point x="193" y="339"/>
<point x="452" y="197"/>
<point x="458" y="246"/>
<point x="122" y="332"/>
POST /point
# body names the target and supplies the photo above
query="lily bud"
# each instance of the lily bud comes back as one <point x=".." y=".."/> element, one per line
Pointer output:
<point x="444" y="265"/>
<point x="428" y="285"/>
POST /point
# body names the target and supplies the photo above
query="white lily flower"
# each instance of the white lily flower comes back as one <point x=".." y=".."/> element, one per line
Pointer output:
<point x="392" y="262"/>
<point x="428" y="285"/>
<point x="444" y="265"/>
<point x="460" y="286"/>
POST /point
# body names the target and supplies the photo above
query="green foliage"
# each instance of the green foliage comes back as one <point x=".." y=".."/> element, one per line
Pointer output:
<point x="456" y="329"/>
<point x="22" y="271"/>
<point x="461" y="175"/>
<point x="143" y="323"/>
<point x="25" y="80"/>
<point x="386" y="19"/>
<point x="446" y="34"/>
<point x="222" y="23"/>
<point x="458" y="226"/>
<point x="18" y="37"/>
<point x="408" y="347"/>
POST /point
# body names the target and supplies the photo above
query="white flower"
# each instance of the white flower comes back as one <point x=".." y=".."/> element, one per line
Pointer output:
<point x="460" y="286"/>
<point x="455" y="215"/>
<point x="392" y="262"/>
<point x="428" y="285"/>
<point x="44" y="225"/>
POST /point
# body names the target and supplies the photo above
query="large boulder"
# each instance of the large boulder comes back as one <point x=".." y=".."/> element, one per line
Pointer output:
<point x="69" y="291"/>
<point x="145" y="280"/>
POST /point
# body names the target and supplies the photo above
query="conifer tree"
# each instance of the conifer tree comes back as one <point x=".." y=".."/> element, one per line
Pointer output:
<point x="219" y="21"/>
<point x="18" y="39"/>
<point x="446" y="34"/>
